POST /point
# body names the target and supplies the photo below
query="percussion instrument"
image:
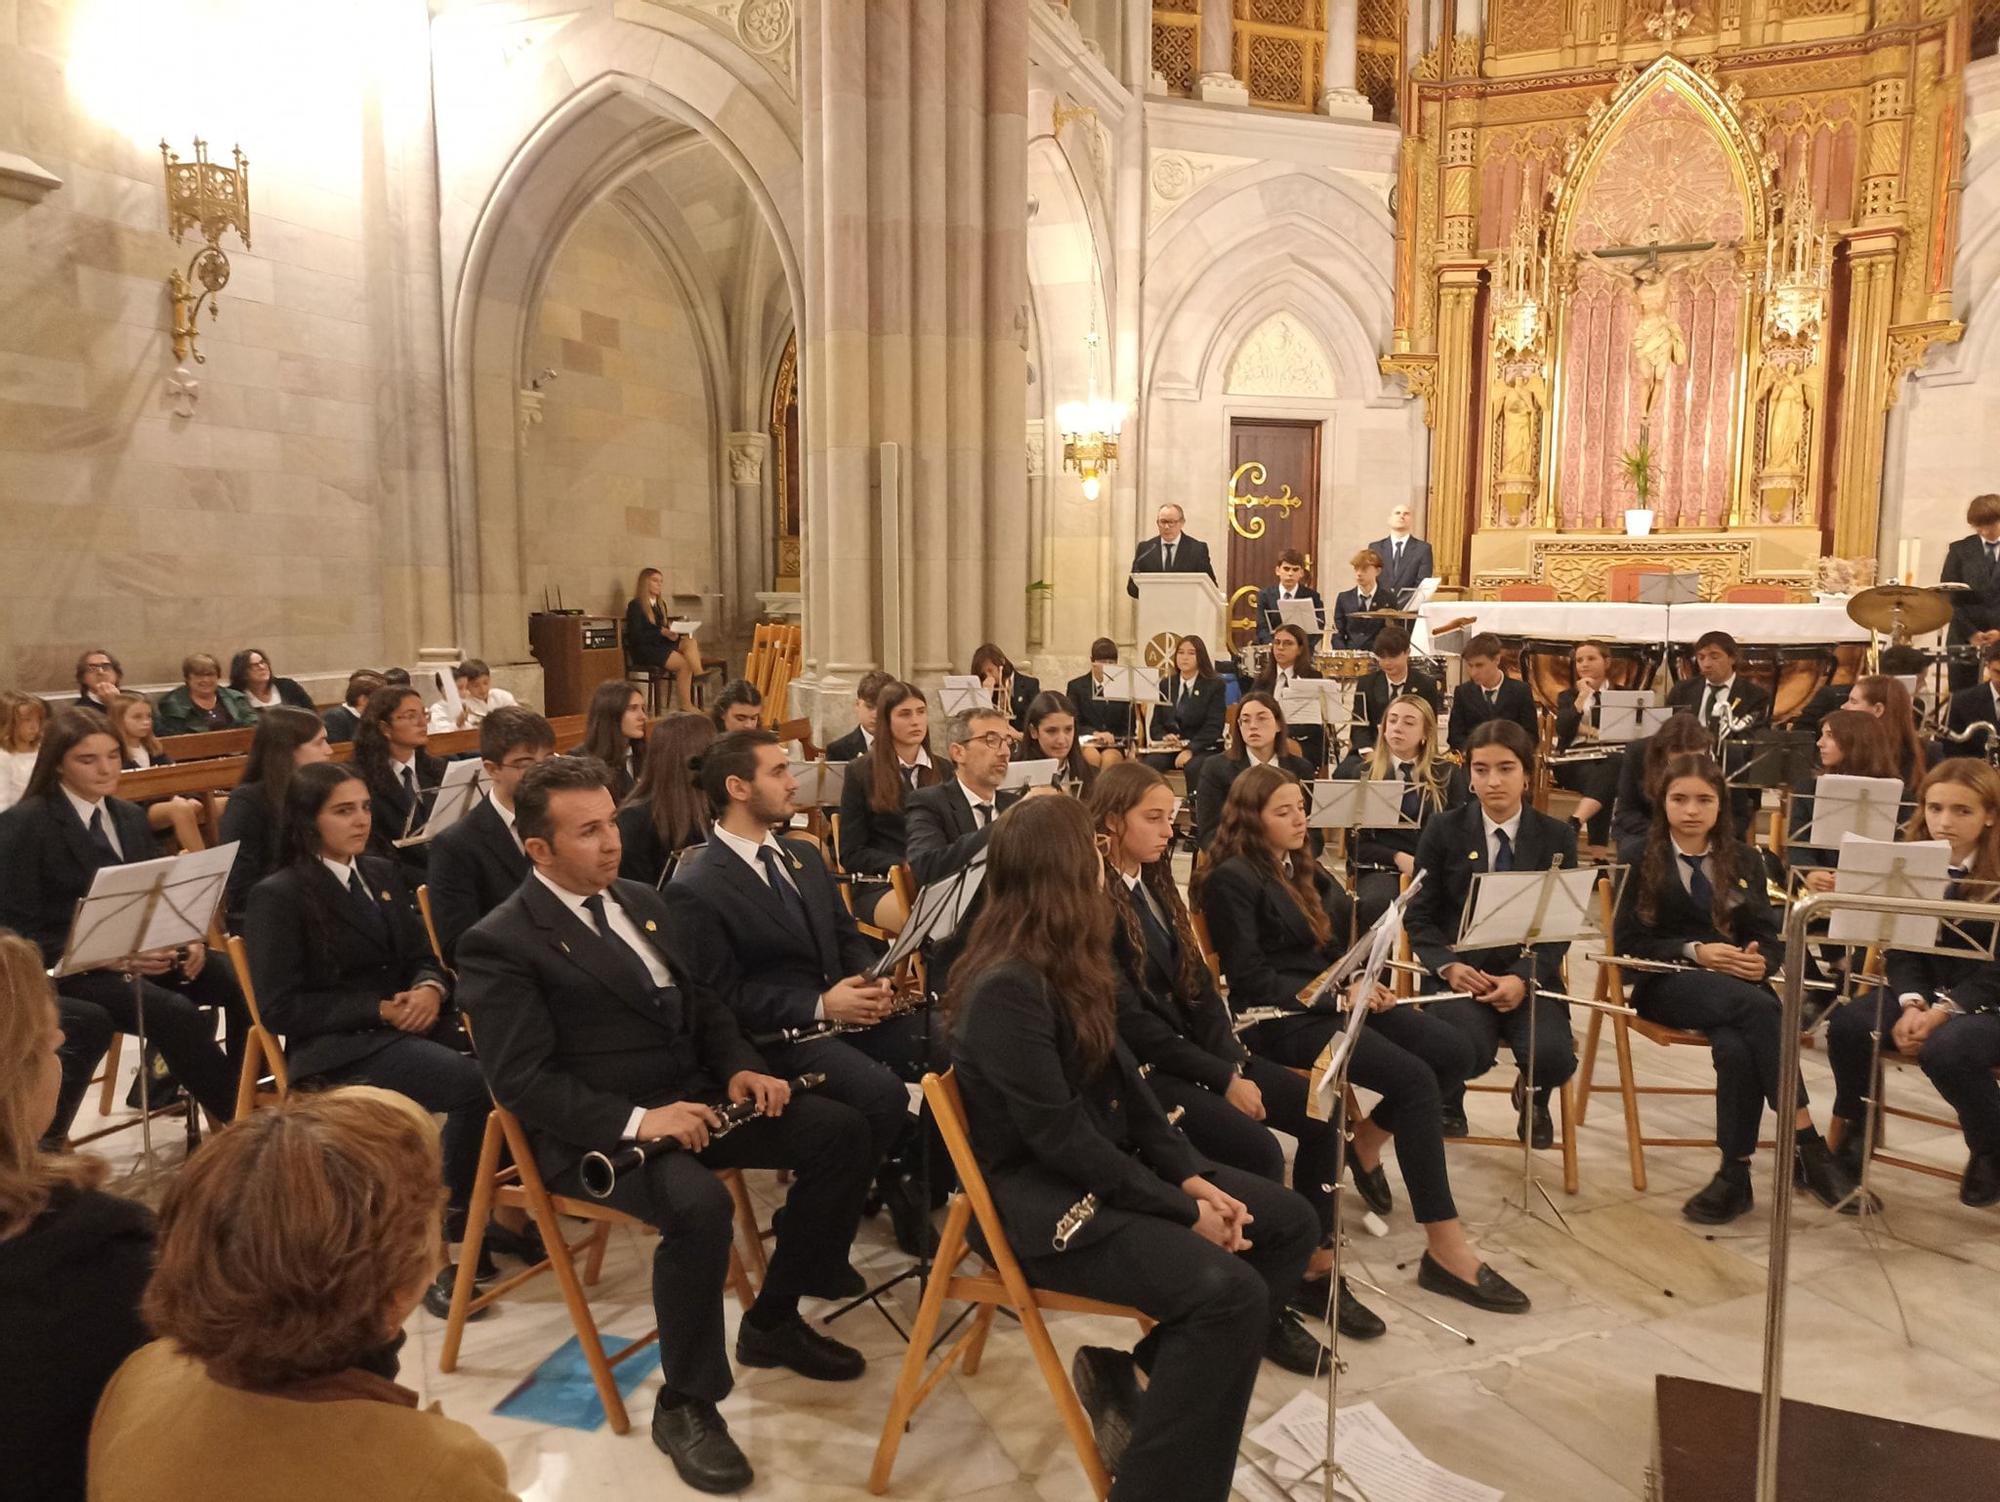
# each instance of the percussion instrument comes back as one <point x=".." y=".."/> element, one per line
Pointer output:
<point x="1900" y="611"/>
<point x="1345" y="664"/>
<point x="1251" y="657"/>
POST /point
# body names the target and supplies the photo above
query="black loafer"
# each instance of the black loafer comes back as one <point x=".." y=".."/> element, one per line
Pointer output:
<point x="1292" y="1346"/>
<point x="1544" y="1128"/>
<point x="524" y="1245"/>
<point x="797" y="1345"/>
<point x="1107" y="1384"/>
<point x="1488" y="1291"/>
<point x="694" y="1437"/>
<point x="1725" y="1197"/>
<point x="1372" y="1184"/>
<point x="1980" y="1185"/>
<point x="1817" y="1171"/>
<point x="437" y="1298"/>
<point x="1452" y="1119"/>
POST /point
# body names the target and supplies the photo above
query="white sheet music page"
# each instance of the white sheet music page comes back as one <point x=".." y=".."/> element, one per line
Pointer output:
<point x="1372" y="1450"/>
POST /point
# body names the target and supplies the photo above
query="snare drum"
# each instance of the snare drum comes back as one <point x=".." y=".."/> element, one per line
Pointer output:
<point x="1251" y="658"/>
<point x="1345" y="665"/>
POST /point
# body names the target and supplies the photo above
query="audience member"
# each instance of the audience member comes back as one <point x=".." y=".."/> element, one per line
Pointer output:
<point x="250" y="675"/>
<point x="23" y="717"/>
<point x="667" y="811"/>
<point x="478" y="863"/>
<point x="73" y="1260"/>
<point x="738" y="707"/>
<point x="477" y="697"/>
<point x="342" y="719"/>
<point x="98" y="675"/>
<point x="201" y="702"/>
<point x="614" y="731"/>
<point x="286" y="739"/>
<point x="139" y="749"/>
<point x="292" y="1249"/>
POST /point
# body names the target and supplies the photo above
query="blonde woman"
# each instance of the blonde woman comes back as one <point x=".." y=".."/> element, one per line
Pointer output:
<point x="651" y="643"/>
<point x="73" y="1260"/>
<point x="1405" y="751"/>
<point x="22" y="717"/>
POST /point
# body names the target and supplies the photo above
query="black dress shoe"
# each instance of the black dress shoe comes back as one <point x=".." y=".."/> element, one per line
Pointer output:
<point x="695" y="1438"/>
<point x="1357" y="1321"/>
<point x="1820" y="1174"/>
<point x="1980" y="1184"/>
<point x="1488" y="1291"/>
<point x="1292" y="1346"/>
<point x="1725" y="1197"/>
<point x="798" y="1345"/>
<point x="1107" y="1384"/>
<point x="909" y="1217"/>
<point x="524" y="1244"/>
<point x="1544" y="1128"/>
<point x="437" y="1298"/>
<point x="1372" y="1184"/>
<point x="1452" y="1119"/>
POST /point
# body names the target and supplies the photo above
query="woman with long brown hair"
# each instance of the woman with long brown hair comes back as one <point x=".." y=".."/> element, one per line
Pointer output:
<point x="1886" y="698"/>
<point x="1057" y="1112"/>
<point x="1277" y="921"/>
<point x="1944" y="1008"/>
<point x="1578" y="708"/>
<point x="73" y="1260"/>
<point x="649" y="643"/>
<point x="614" y="731"/>
<point x="1638" y="777"/>
<point x="1291" y="661"/>
<point x="1852" y="744"/>
<point x="1173" y="1019"/>
<point x="1049" y="733"/>
<point x="1259" y="741"/>
<point x="1192" y="712"/>
<point x="1013" y="691"/>
<point x="666" y="812"/>
<point x="286" y="740"/>
<point x="1696" y="896"/>
<point x="872" y="833"/>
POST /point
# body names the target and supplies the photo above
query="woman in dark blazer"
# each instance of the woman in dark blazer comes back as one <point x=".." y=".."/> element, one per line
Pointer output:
<point x="872" y="800"/>
<point x="286" y="740"/>
<point x="650" y="644"/>
<point x="1632" y="814"/>
<point x="251" y="675"/>
<point x="345" y="973"/>
<point x="666" y="812"/>
<point x="1291" y="660"/>
<point x="1013" y="691"/>
<point x="1193" y="706"/>
<point x="1277" y="921"/>
<point x="1696" y="898"/>
<point x="389" y="754"/>
<point x="1595" y="781"/>
<point x="614" y="731"/>
<point x="1056" y="1110"/>
<point x="1260" y="741"/>
<point x="1404" y="751"/>
<point x="1051" y="730"/>
<point x="1172" y="1018"/>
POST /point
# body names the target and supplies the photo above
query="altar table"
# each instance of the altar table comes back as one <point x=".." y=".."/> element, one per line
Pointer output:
<point x="1574" y="620"/>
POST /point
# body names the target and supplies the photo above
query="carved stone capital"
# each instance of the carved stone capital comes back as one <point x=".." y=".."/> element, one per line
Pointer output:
<point x="1909" y="344"/>
<point x="746" y="457"/>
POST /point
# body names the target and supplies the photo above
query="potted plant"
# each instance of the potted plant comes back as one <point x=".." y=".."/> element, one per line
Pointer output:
<point x="1637" y="463"/>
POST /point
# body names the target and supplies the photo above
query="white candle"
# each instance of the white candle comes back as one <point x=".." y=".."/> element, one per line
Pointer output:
<point x="1916" y="559"/>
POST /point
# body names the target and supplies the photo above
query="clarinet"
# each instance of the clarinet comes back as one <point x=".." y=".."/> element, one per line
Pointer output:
<point x="826" y="1027"/>
<point x="601" y="1171"/>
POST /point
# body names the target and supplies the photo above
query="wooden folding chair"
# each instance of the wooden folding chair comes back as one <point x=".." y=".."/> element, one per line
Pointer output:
<point x="261" y="1049"/>
<point x="1004" y="1287"/>
<point x="520" y="1185"/>
<point x="430" y="924"/>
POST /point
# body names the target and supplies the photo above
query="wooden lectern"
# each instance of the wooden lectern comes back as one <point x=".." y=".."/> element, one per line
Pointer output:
<point x="1179" y="605"/>
<point x="577" y="652"/>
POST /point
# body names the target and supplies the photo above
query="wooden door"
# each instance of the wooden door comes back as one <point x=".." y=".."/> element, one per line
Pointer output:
<point x="1267" y="515"/>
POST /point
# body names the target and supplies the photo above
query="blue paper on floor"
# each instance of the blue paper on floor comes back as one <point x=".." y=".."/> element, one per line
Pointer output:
<point x="560" y="1391"/>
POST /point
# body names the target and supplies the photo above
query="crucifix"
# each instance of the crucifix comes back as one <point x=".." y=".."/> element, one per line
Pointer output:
<point x="1658" y="342"/>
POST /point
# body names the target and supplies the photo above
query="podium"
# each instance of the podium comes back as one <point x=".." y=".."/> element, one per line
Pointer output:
<point x="1180" y="605"/>
<point x="577" y="652"/>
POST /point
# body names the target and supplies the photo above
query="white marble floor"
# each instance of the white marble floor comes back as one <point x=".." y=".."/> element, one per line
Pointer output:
<point x="1552" y="1407"/>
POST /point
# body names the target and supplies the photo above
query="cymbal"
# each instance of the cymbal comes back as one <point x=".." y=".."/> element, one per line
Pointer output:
<point x="1900" y="609"/>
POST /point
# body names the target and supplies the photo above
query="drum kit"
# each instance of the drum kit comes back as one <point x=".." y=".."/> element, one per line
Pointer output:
<point x="1901" y="611"/>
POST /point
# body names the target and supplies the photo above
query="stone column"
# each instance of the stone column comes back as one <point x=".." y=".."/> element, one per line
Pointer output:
<point x="1219" y="84"/>
<point x="1337" y="94"/>
<point x="913" y="373"/>
<point x="751" y="518"/>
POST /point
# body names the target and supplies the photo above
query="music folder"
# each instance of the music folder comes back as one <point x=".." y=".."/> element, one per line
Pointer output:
<point x="146" y="905"/>
<point x="1919" y="869"/>
<point x="1031" y="774"/>
<point x="451" y="800"/>
<point x="820" y="783"/>
<point x="1628" y="714"/>
<point x="1123" y="685"/>
<point x="1531" y="907"/>
<point x="1345" y="803"/>
<point x="1866" y="807"/>
<point x="963" y="691"/>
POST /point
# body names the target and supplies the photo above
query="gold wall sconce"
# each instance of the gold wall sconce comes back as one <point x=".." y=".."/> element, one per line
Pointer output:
<point x="212" y="199"/>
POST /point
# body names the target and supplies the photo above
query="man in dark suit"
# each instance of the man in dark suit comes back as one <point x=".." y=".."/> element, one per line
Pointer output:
<point x="760" y="927"/>
<point x="344" y="716"/>
<point x="1392" y="677"/>
<point x="1489" y="694"/>
<point x="1095" y="714"/>
<point x="1976" y="703"/>
<point x="586" y="1034"/>
<point x="1291" y="585"/>
<point x="479" y="863"/>
<point x="1717" y="693"/>
<point x="845" y="748"/>
<point x="1974" y="561"/>
<point x="1172" y="552"/>
<point x="1495" y="830"/>
<point x="1406" y="558"/>
<point x="1353" y="627"/>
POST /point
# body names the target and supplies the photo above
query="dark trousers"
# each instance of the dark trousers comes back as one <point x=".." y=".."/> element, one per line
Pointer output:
<point x="1410" y="1059"/>
<point x="176" y="1025"/>
<point x="1213" y="1309"/>
<point x="862" y="1071"/>
<point x="1219" y="1131"/>
<point x="1850" y="1049"/>
<point x="1373" y="892"/>
<point x="87" y="1030"/>
<point x="1742" y="1024"/>
<point x="1960" y="1058"/>
<point x="1487" y="1028"/>
<point x="438" y="1078"/>
<point x="1594" y="779"/>
<point x="825" y="1144"/>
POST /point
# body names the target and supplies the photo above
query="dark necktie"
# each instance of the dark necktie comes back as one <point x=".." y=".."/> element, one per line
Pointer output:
<point x="1993" y="552"/>
<point x="982" y="814"/>
<point x="1493" y="697"/>
<point x="1698" y="884"/>
<point x="795" y="905"/>
<point x="363" y="904"/>
<point x="410" y="782"/>
<point x="1149" y="913"/>
<point x="910" y="777"/>
<point x="1396" y="555"/>
<point x="1503" y="855"/>
<point x="1167" y="557"/>
<point x="627" y="956"/>
<point x="1412" y="799"/>
<point x="99" y="840"/>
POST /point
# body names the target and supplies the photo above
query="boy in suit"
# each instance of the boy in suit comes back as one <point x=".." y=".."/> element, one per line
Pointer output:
<point x="344" y="716"/>
<point x="1291" y="585"/>
<point x="1392" y="676"/>
<point x="1974" y="561"/>
<point x="1495" y="830"/>
<point x="845" y="748"/>
<point x="479" y="862"/>
<point x="1350" y="631"/>
<point x="1489" y="694"/>
<point x="1096" y="715"/>
<point x="587" y="1034"/>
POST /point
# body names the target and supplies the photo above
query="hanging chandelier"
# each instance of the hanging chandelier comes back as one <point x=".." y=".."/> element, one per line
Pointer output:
<point x="1090" y="428"/>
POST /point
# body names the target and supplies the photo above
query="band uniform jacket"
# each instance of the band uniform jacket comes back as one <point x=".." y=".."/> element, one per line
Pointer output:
<point x="1746" y="699"/>
<point x="1267" y="613"/>
<point x="1191" y="1041"/>
<point x="1679" y="922"/>
<point x="1376" y="695"/>
<point x="563" y="1039"/>
<point x="1351" y="631"/>
<point x="1195" y="712"/>
<point x="1095" y="714"/>
<point x="1190" y="557"/>
<point x="1377" y="849"/>
<point x="1977" y="607"/>
<point x="1513" y="700"/>
<point x="1451" y="851"/>
<point x="871" y="840"/>
<point x="1399" y="576"/>
<point x="740" y="944"/>
<point x="322" y="971"/>
<point x="944" y="839"/>
<point x="248" y="821"/>
<point x="847" y="747"/>
<point x="47" y="862"/>
<point x="397" y="814"/>
<point x="475" y="866"/>
<point x="1266" y="946"/>
<point x="1047" y="1130"/>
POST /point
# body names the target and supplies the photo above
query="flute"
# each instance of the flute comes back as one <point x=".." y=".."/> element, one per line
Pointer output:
<point x="1078" y="1215"/>
<point x="600" y="1171"/>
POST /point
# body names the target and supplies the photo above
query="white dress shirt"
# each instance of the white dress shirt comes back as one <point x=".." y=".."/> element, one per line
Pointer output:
<point x="506" y="813"/>
<point x="1714" y="695"/>
<point x="975" y="800"/>
<point x="1512" y="829"/>
<point x="85" y="808"/>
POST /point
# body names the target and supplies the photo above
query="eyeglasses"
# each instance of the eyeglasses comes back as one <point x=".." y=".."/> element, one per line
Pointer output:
<point x="993" y="740"/>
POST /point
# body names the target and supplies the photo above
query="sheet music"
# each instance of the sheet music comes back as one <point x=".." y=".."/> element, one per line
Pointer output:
<point x="1380" y="1458"/>
<point x="1867" y="807"/>
<point x="1311" y="701"/>
<point x="1628" y="714"/>
<point x="451" y="799"/>
<point x="820" y="783"/>
<point x="1344" y="803"/>
<point x="684" y="628"/>
<point x="1531" y="907"/>
<point x="1882" y="868"/>
<point x="1301" y="613"/>
<point x="1123" y="685"/>
<point x="963" y="691"/>
<point x="1030" y="774"/>
<point x="147" y="905"/>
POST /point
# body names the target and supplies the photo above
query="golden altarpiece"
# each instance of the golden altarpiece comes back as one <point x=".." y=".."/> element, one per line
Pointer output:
<point x="1706" y="243"/>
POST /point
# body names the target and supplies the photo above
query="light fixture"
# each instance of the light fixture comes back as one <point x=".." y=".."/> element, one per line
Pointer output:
<point x="211" y="199"/>
<point x="1090" y="428"/>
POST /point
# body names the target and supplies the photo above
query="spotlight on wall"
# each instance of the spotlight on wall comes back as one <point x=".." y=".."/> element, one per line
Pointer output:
<point x="212" y="200"/>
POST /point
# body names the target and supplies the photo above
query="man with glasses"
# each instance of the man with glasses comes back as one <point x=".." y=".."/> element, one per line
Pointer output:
<point x="479" y="862"/>
<point x="97" y="678"/>
<point x="1172" y="552"/>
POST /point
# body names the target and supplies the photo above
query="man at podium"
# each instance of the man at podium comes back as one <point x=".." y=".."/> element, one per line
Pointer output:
<point x="1172" y="552"/>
